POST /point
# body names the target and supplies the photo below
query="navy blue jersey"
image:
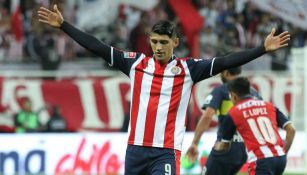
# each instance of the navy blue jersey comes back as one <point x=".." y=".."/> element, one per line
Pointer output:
<point x="219" y="100"/>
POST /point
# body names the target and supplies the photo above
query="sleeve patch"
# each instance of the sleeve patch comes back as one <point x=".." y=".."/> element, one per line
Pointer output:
<point x="208" y="99"/>
<point x="196" y="60"/>
<point x="129" y="54"/>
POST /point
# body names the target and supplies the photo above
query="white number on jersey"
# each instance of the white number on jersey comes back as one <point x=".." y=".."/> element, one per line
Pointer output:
<point x="266" y="132"/>
<point x="168" y="169"/>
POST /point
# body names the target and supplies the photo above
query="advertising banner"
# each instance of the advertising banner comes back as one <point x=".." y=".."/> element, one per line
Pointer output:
<point x="98" y="153"/>
<point x="103" y="103"/>
<point x="62" y="153"/>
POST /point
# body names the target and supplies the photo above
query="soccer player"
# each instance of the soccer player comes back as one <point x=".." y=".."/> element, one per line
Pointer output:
<point x="218" y="103"/>
<point x="257" y="121"/>
<point x="161" y="86"/>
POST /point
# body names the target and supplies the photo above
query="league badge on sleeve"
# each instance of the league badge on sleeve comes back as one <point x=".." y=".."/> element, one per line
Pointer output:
<point x="208" y="99"/>
<point x="129" y="55"/>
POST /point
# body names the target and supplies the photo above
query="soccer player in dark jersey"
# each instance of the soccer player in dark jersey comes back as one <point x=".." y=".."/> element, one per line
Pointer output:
<point x="218" y="103"/>
<point x="257" y="121"/>
<point x="161" y="86"/>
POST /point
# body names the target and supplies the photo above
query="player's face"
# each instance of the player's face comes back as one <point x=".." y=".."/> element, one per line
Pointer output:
<point x="163" y="46"/>
<point x="225" y="76"/>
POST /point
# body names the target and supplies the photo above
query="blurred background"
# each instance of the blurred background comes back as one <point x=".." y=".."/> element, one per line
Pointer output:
<point x="71" y="96"/>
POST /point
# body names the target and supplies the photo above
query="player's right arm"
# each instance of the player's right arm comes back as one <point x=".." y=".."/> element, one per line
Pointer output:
<point x="290" y="133"/>
<point x="202" y="125"/>
<point x="283" y="122"/>
<point x="113" y="56"/>
<point x="212" y="102"/>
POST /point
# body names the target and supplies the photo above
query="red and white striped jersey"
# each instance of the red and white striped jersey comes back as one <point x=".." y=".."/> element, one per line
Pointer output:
<point x="257" y="122"/>
<point x="160" y="95"/>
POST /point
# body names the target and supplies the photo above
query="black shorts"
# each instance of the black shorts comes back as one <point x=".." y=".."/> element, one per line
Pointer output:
<point x="141" y="160"/>
<point x="227" y="162"/>
<point x="268" y="166"/>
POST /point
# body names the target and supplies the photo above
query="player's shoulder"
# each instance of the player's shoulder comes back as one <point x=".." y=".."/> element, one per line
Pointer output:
<point x="183" y="58"/>
<point x="193" y="60"/>
<point x="216" y="92"/>
<point x="233" y="110"/>
<point x="253" y="90"/>
<point x="269" y="104"/>
<point x="238" y="107"/>
<point x="232" y="113"/>
<point x="255" y="93"/>
<point x="222" y="88"/>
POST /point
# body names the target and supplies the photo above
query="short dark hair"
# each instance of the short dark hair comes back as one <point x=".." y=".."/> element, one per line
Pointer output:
<point x="165" y="27"/>
<point x="239" y="86"/>
<point x="235" y="70"/>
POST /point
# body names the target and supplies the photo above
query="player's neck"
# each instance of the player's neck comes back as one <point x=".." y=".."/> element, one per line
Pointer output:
<point x="163" y="61"/>
<point x="240" y="99"/>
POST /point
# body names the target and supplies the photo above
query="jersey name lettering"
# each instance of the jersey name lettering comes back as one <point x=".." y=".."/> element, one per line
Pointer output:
<point x="254" y="112"/>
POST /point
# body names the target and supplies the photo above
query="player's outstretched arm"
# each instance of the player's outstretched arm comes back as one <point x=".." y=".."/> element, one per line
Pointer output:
<point x="236" y="59"/>
<point x="54" y="18"/>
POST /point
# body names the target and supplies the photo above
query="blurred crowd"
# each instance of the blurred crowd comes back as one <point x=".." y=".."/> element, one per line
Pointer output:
<point x="27" y="120"/>
<point x="229" y="25"/>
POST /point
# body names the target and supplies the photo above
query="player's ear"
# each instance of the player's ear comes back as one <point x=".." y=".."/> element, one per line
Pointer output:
<point x="176" y="41"/>
<point x="227" y="74"/>
<point x="233" y="97"/>
<point x="230" y="95"/>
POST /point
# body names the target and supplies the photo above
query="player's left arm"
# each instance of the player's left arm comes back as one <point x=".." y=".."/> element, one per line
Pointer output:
<point x="283" y="122"/>
<point x="228" y="130"/>
<point x="205" y="68"/>
<point x="236" y="59"/>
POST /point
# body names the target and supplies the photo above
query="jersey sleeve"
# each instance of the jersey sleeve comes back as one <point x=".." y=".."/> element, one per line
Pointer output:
<point x="123" y="60"/>
<point x="117" y="58"/>
<point x="213" y="100"/>
<point x="237" y="59"/>
<point x="228" y="129"/>
<point x="282" y="120"/>
<point x="200" y="69"/>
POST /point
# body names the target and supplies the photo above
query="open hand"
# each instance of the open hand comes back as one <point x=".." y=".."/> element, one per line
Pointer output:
<point x="51" y="17"/>
<point x="272" y="42"/>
